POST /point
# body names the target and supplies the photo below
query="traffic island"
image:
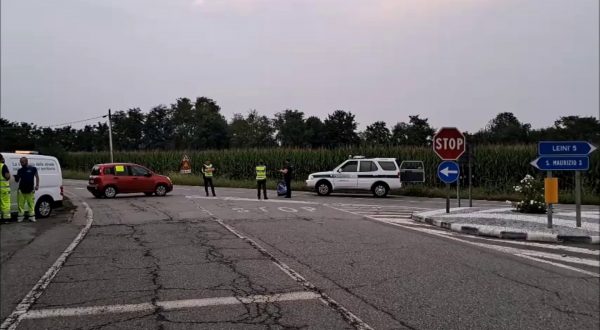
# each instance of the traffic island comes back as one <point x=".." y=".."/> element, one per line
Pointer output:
<point x="507" y="224"/>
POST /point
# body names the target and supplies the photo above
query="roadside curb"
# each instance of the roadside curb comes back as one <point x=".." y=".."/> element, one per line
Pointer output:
<point x="514" y="235"/>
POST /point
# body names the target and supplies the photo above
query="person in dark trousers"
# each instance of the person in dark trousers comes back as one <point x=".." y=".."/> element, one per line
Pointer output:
<point x="261" y="179"/>
<point x="288" y="175"/>
<point x="207" y="174"/>
<point x="26" y="176"/>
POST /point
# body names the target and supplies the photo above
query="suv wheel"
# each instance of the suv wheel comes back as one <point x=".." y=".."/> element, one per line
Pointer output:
<point x="380" y="189"/>
<point x="43" y="208"/>
<point x="323" y="188"/>
<point x="110" y="192"/>
<point x="160" y="190"/>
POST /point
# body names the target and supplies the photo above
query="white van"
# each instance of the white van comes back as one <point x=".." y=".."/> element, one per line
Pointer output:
<point x="50" y="193"/>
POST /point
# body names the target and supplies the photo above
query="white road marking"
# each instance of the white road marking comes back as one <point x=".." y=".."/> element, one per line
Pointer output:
<point x="251" y="200"/>
<point x="169" y="305"/>
<point x="541" y="245"/>
<point x="13" y="320"/>
<point x="264" y="209"/>
<point x="287" y="209"/>
<point x="528" y="254"/>
<point x="326" y="299"/>
<point x="309" y="209"/>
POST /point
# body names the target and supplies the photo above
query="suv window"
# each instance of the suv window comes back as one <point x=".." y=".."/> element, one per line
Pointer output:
<point x="95" y="170"/>
<point x="367" y="166"/>
<point x="109" y="170"/>
<point x="121" y="170"/>
<point x="350" y="166"/>
<point x="138" y="171"/>
<point x="388" y="165"/>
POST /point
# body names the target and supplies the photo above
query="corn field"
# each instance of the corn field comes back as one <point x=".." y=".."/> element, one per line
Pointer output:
<point x="495" y="168"/>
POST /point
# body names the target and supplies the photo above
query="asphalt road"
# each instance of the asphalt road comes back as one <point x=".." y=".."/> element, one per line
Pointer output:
<point x="186" y="261"/>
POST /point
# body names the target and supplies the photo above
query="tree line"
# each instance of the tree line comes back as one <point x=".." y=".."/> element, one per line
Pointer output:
<point x="199" y="125"/>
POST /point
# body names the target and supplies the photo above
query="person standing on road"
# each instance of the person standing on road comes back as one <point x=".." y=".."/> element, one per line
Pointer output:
<point x="261" y="179"/>
<point x="4" y="190"/>
<point x="26" y="192"/>
<point x="288" y="175"/>
<point x="207" y="174"/>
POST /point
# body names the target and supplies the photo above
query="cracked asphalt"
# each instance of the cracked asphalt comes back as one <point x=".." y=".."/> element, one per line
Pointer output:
<point x="144" y="250"/>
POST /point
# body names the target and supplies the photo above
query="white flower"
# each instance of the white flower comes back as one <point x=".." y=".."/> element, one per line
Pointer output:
<point x="531" y="202"/>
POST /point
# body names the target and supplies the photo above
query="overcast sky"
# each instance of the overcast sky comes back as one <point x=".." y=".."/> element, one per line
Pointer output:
<point x="456" y="62"/>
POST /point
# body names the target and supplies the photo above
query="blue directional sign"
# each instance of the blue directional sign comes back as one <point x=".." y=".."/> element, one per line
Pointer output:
<point x="448" y="171"/>
<point x="567" y="148"/>
<point x="562" y="163"/>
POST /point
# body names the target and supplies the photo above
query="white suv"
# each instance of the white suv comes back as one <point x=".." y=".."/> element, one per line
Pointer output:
<point x="377" y="175"/>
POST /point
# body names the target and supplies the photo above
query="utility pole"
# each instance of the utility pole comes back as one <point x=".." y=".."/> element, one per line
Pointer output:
<point x="110" y="144"/>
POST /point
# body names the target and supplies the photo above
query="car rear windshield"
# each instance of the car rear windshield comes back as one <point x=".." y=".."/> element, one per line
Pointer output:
<point x="95" y="170"/>
<point x="388" y="165"/>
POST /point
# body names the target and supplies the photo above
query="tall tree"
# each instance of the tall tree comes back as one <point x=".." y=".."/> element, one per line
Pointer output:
<point x="290" y="128"/>
<point x="128" y="128"/>
<point x="210" y="127"/>
<point x="159" y="129"/>
<point x="504" y="128"/>
<point x="314" y="134"/>
<point x="417" y="132"/>
<point x="340" y="129"/>
<point x="377" y="134"/>
<point x="183" y="120"/>
<point x="254" y="131"/>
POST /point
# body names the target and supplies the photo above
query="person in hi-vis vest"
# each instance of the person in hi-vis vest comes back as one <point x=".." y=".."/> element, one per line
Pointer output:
<point x="261" y="179"/>
<point x="4" y="190"/>
<point x="207" y="174"/>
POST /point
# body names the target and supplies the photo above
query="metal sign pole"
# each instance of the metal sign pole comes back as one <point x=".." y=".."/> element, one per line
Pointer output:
<point x="110" y="144"/>
<point x="470" y="175"/>
<point x="578" y="198"/>
<point x="549" y="211"/>
<point x="447" y="198"/>
<point x="458" y="191"/>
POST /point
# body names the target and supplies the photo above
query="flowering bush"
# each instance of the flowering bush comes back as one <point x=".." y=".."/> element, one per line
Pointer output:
<point x="533" y="196"/>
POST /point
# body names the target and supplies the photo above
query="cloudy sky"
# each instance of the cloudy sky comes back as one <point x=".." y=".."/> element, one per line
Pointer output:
<point x="456" y="62"/>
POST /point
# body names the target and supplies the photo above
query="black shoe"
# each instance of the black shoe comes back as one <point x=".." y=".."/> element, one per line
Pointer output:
<point x="266" y="198"/>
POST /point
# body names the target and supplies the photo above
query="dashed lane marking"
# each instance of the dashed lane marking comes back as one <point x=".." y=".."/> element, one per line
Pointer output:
<point x="350" y="317"/>
<point x="169" y="305"/>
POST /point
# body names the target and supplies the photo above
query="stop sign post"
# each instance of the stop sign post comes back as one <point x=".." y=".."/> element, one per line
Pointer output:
<point x="449" y="143"/>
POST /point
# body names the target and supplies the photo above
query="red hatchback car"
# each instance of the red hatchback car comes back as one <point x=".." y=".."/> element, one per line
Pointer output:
<point x="108" y="180"/>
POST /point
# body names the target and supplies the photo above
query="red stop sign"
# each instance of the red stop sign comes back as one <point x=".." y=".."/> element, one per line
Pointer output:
<point x="449" y="143"/>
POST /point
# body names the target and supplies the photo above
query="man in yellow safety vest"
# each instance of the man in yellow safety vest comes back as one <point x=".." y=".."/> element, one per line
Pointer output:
<point x="261" y="179"/>
<point x="207" y="174"/>
<point x="4" y="190"/>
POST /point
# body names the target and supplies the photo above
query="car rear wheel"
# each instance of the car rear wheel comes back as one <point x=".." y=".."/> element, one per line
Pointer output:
<point x="43" y="208"/>
<point x="323" y="188"/>
<point x="160" y="190"/>
<point x="110" y="192"/>
<point x="380" y="190"/>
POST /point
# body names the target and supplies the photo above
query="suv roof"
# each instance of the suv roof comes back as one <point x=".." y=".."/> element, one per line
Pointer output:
<point x="371" y="158"/>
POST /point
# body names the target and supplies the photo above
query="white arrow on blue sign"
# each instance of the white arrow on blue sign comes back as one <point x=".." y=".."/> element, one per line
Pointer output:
<point x="562" y="163"/>
<point x="448" y="171"/>
<point x="570" y="148"/>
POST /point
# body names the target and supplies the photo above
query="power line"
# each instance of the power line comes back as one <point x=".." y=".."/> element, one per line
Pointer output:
<point x="78" y="121"/>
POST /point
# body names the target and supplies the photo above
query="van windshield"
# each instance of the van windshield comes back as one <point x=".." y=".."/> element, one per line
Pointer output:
<point x="95" y="170"/>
